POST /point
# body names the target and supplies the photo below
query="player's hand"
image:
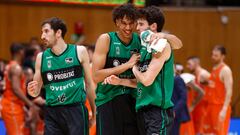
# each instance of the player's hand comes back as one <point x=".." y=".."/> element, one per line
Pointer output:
<point x="156" y="36"/>
<point x="113" y="80"/>
<point x="222" y="115"/>
<point x="32" y="89"/>
<point x="92" y="122"/>
<point x="133" y="60"/>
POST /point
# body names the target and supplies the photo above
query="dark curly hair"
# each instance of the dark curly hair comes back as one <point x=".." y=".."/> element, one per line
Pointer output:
<point x="56" y="24"/>
<point x="153" y="14"/>
<point x="127" y="10"/>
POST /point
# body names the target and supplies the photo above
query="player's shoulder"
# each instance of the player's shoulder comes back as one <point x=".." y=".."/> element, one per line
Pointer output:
<point x="103" y="43"/>
<point x="81" y="52"/>
<point x="104" y="36"/>
<point x="15" y="67"/>
<point x="81" y="48"/>
<point x="39" y="56"/>
<point x="204" y="73"/>
<point x="226" y="68"/>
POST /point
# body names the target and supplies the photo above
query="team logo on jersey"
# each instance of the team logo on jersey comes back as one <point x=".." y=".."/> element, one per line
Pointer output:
<point x="49" y="76"/>
<point x="49" y="64"/>
<point x="69" y="60"/>
<point x="117" y="50"/>
<point x="61" y="98"/>
<point x="116" y="63"/>
<point x="139" y="92"/>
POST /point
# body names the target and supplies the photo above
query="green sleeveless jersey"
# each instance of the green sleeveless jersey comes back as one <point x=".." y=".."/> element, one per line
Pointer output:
<point x="63" y="77"/>
<point x="118" y="54"/>
<point x="159" y="93"/>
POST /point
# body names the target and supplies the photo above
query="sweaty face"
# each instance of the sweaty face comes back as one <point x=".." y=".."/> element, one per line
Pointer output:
<point x="125" y="27"/>
<point x="142" y="25"/>
<point x="191" y="65"/>
<point x="217" y="56"/>
<point x="48" y="35"/>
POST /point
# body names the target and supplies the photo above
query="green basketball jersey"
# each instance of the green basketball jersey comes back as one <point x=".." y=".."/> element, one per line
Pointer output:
<point x="63" y="77"/>
<point x="118" y="54"/>
<point x="159" y="93"/>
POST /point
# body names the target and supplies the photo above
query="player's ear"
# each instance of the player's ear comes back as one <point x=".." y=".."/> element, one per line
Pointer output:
<point x="153" y="27"/>
<point x="59" y="33"/>
<point x="117" y="22"/>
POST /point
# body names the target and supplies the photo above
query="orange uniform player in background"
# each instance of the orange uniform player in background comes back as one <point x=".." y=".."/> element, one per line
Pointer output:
<point x="92" y="129"/>
<point x="12" y="111"/>
<point x="187" y="128"/>
<point x="202" y="75"/>
<point x="194" y="96"/>
<point x="220" y="89"/>
<point x="14" y="97"/>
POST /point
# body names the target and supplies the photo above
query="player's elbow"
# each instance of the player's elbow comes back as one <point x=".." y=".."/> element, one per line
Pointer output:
<point x="180" y="45"/>
<point x="177" y="44"/>
<point x="96" y="78"/>
<point x="147" y="82"/>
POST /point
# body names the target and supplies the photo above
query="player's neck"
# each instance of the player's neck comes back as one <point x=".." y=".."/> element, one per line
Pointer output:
<point x="59" y="47"/>
<point x="124" y="39"/>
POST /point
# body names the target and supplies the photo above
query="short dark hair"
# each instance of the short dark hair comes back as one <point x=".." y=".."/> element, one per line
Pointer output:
<point x="195" y="59"/>
<point x="127" y="10"/>
<point x="153" y="14"/>
<point x="221" y="48"/>
<point x="16" y="48"/>
<point x="56" y="24"/>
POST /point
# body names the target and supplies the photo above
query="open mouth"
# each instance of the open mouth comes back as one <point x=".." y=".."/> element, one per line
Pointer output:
<point x="128" y="32"/>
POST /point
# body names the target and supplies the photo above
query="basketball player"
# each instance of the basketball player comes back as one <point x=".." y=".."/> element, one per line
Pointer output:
<point x="14" y="96"/>
<point x="115" y="54"/>
<point x="155" y="76"/>
<point x="155" y="86"/>
<point x="62" y="70"/>
<point x="201" y="77"/>
<point x="220" y="83"/>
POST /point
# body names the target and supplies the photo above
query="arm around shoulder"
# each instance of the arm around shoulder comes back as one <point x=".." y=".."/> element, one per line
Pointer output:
<point x="155" y="66"/>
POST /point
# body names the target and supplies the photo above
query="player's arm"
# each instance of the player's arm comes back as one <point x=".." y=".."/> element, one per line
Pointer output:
<point x="226" y="76"/>
<point x="99" y="60"/>
<point x="174" y="41"/>
<point x="90" y="87"/>
<point x="15" y="75"/>
<point x="114" y="80"/>
<point x="34" y="87"/>
<point x="155" y="66"/>
<point x="200" y="94"/>
<point x="39" y="101"/>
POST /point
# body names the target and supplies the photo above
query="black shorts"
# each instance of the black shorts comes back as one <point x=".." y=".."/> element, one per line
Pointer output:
<point x="66" y="120"/>
<point x="153" y="120"/>
<point x="117" y="117"/>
